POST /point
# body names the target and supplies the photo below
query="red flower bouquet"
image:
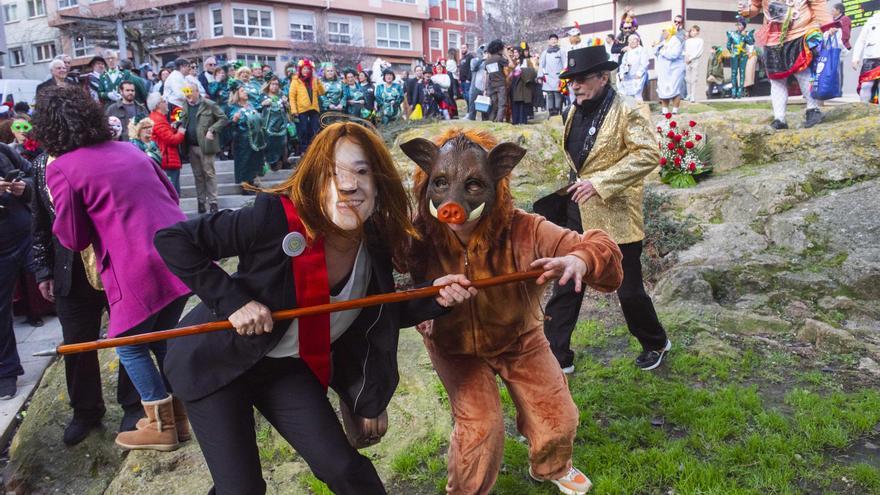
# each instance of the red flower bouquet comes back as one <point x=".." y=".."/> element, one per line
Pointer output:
<point x="684" y="152"/>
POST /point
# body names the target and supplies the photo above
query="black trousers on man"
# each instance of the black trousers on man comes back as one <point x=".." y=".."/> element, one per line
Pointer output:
<point x="564" y="306"/>
<point x="289" y="396"/>
<point x="80" y="315"/>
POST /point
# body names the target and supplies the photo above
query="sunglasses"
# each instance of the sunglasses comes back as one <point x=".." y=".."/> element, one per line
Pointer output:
<point x="581" y="79"/>
<point x="22" y="126"/>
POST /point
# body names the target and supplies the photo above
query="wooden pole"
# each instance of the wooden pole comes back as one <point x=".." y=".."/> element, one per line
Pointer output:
<point x="287" y="314"/>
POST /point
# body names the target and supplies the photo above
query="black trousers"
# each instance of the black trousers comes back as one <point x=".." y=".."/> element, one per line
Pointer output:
<point x="564" y="306"/>
<point x="80" y="315"/>
<point x="12" y="262"/>
<point x="290" y="397"/>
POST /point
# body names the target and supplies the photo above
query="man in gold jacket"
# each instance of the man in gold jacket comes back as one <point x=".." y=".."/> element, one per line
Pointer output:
<point x="610" y="148"/>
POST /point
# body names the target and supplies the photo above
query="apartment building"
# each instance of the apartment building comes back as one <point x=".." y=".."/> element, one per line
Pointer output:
<point x="451" y="23"/>
<point x="30" y="42"/>
<point x="268" y="31"/>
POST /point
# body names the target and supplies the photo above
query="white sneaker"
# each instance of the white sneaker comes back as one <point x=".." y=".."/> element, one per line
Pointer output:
<point x="568" y="370"/>
<point x="573" y="483"/>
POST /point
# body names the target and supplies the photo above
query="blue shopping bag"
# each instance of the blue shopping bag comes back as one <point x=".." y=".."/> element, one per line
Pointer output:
<point x="826" y="74"/>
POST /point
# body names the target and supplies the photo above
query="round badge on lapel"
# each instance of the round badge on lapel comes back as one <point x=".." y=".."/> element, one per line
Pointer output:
<point x="293" y="244"/>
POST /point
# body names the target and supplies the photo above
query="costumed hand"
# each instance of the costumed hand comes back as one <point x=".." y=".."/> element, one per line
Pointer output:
<point x="456" y="291"/>
<point x="855" y="65"/>
<point x="564" y="268"/>
<point x="209" y="135"/>
<point x="181" y="129"/>
<point x="266" y="103"/>
<point x="252" y="319"/>
<point x="236" y="117"/>
<point x="582" y="191"/>
<point x="47" y="290"/>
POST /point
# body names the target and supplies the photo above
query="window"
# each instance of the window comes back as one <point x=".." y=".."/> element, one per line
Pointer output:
<point x="186" y="22"/>
<point x="44" y="52"/>
<point x="435" y="35"/>
<point x="10" y="12"/>
<point x="453" y="39"/>
<point x="404" y="1"/>
<point x="434" y="3"/>
<point x="302" y="25"/>
<point x="339" y="31"/>
<point x="66" y="4"/>
<point x="471" y="40"/>
<point x="216" y="21"/>
<point x="16" y="56"/>
<point x="470" y="5"/>
<point x="82" y="46"/>
<point x="393" y="35"/>
<point x="252" y="22"/>
<point x="250" y="58"/>
<point x="36" y="8"/>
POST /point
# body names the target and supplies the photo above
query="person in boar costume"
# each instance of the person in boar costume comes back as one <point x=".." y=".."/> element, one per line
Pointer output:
<point x="468" y="224"/>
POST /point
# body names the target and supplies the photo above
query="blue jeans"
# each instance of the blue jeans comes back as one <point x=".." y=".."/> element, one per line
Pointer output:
<point x="147" y="378"/>
<point x="174" y="177"/>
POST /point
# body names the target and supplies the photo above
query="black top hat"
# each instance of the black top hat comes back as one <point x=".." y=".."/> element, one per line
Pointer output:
<point x="583" y="61"/>
<point x="96" y="59"/>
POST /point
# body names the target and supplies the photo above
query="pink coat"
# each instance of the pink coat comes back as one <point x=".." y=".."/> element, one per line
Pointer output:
<point x="112" y="196"/>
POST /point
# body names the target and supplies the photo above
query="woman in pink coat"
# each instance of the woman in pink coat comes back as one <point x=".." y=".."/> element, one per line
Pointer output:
<point x="111" y="196"/>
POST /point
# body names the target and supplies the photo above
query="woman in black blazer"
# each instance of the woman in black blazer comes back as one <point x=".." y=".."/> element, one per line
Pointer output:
<point x="346" y="175"/>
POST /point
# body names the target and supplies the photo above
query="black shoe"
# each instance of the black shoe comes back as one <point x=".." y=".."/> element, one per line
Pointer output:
<point x="8" y="387"/>
<point x="130" y="418"/>
<point x="814" y="116"/>
<point x="202" y="209"/>
<point x="35" y="322"/>
<point x="649" y="360"/>
<point x="778" y="124"/>
<point x="79" y="429"/>
<point x="214" y="208"/>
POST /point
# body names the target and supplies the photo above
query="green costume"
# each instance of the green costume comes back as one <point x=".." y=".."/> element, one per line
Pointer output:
<point x="150" y="149"/>
<point x="333" y="95"/>
<point x="388" y="101"/>
<point x="275" y="125"/>
<point x="355" y="93"/>
<point x="739" y="57"/>
<point x="254" y="90"/>
<point x="248" y="142"/>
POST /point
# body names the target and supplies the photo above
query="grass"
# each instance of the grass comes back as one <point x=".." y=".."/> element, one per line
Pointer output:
<point x="764" y="422"/>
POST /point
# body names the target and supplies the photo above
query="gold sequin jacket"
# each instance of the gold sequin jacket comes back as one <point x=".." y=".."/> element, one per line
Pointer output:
<point x="624" y="153"/>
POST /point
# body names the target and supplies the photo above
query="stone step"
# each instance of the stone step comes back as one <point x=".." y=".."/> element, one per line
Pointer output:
<point x="229" y="201"/>
<point x="226" y="175"/>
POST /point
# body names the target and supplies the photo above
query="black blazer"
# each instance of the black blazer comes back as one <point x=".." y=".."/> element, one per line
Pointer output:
<point x="364" y="359"/>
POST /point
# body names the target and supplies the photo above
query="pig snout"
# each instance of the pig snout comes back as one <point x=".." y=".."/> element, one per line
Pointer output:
<point x="452" y="212"/>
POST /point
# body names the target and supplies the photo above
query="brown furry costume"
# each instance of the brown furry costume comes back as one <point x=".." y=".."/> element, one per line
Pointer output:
<point x="500" y="331"/>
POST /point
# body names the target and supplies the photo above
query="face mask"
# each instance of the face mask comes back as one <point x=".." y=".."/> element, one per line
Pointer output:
<point x="22" y="126"/>
<point x="351" y="195"/>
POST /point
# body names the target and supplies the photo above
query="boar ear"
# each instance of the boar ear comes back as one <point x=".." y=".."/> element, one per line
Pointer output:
<point x="421" y="151"/>
<point x="503" y="157"/>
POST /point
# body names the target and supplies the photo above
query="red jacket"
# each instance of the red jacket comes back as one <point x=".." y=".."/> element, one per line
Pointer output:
<point x="167" y="140"/>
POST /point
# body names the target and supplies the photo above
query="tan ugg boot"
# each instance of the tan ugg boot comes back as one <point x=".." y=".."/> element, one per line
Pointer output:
<point x="180" y="421"/>
<point x="159" y="433"/>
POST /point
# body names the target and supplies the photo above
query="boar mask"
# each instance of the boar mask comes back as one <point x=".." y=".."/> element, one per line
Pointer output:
<point x="462" y="176"/>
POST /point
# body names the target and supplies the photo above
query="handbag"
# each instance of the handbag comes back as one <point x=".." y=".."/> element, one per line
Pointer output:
<point x="416" y="113"/>
<point x="826" y="72"/>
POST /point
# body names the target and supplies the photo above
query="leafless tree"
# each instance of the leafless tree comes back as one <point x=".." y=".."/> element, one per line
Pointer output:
<point x="513" y="21"/>
<point x="323" y="47"/>
<point x="145" y="31"/>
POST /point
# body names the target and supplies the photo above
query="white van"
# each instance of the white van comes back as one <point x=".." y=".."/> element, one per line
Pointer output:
<point x="18" y="90"/>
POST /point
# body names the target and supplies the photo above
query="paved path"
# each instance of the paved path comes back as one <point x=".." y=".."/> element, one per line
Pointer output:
<point x="29" y="340"/>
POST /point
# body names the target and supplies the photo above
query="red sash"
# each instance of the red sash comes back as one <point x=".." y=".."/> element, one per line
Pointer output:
<point x="312" y="288"/>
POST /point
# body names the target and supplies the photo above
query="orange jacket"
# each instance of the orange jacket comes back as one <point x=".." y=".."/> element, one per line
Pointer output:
<point x="299" y="96"/>
<point x="493" y="320"/>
